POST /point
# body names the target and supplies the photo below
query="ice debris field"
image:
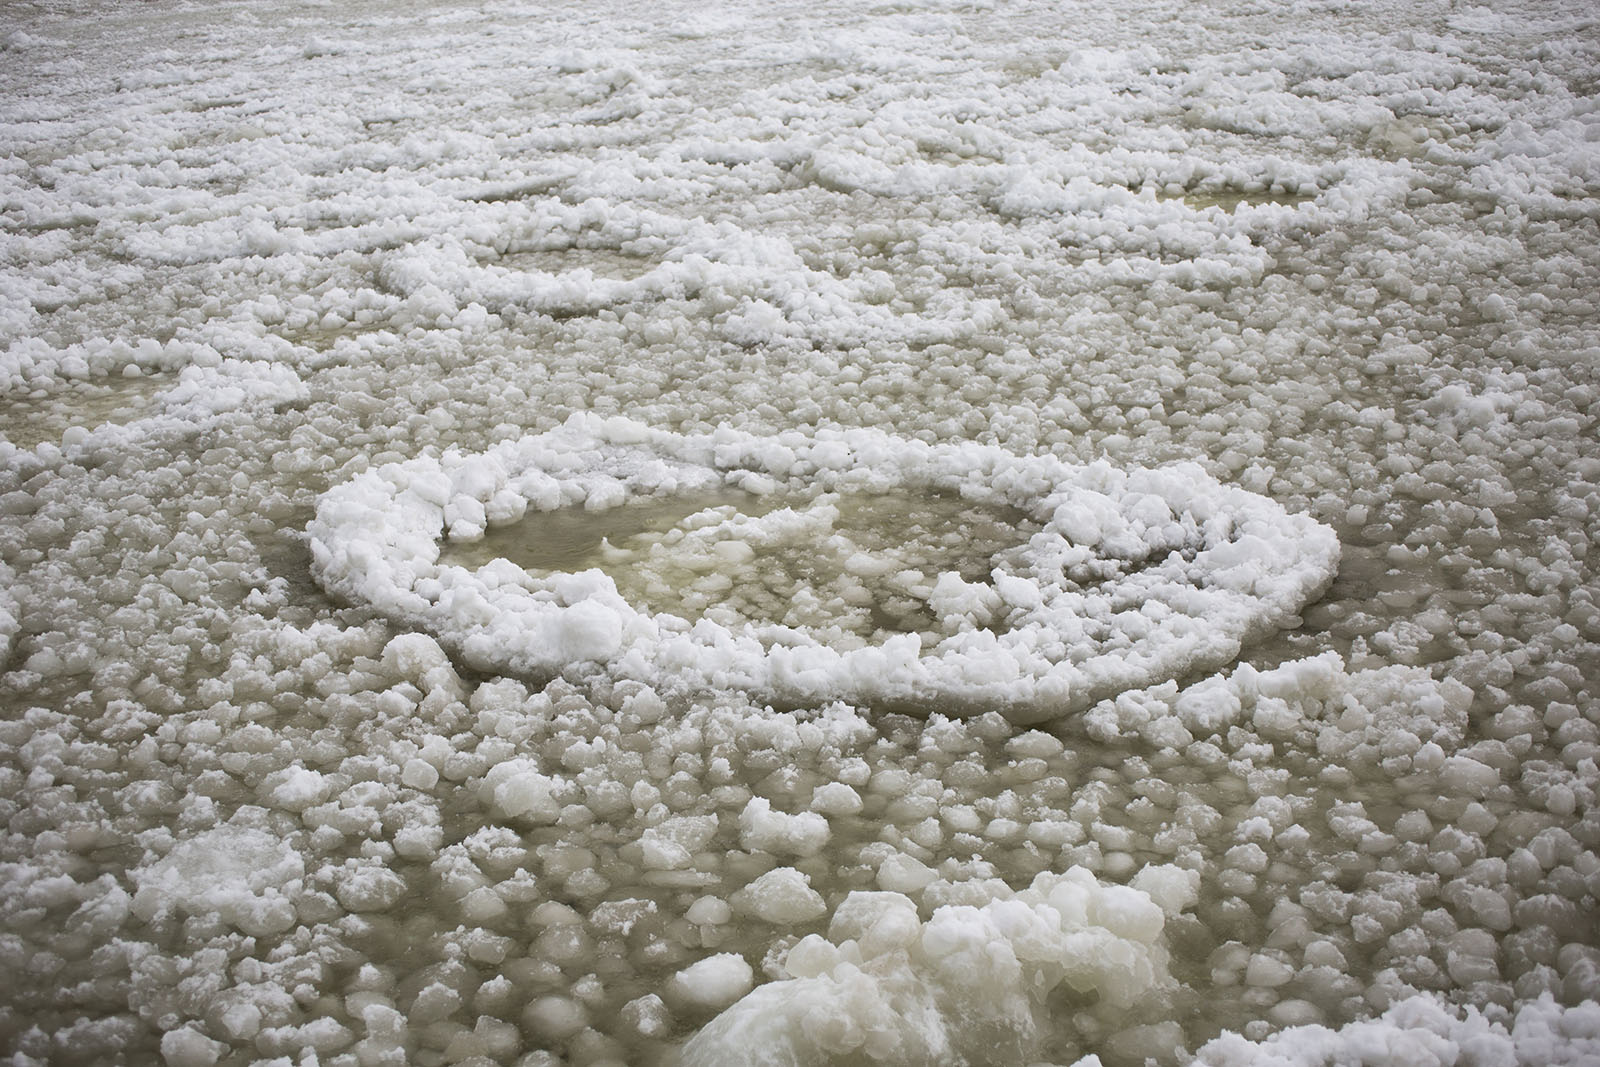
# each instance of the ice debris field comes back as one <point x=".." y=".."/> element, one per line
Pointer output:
<point x="892" y="533"/>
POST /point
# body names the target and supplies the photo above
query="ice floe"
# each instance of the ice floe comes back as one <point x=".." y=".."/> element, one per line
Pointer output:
<point x="1132" y="577"/>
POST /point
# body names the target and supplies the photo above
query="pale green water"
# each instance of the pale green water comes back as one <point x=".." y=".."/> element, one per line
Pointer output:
<point x="855" y="566"/>
<point x="28" y="421"/>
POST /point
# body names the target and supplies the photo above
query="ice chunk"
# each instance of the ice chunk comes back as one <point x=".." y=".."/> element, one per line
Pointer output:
<point x="8" y="613"/>
<point x="783" y="896"/>
<point x="672" y="844"/>
<point x="190" y="1048"/>
<point x="877" y="922"/>
<point x="709" y="911"/>
<point x="1173" y="889"/>
<point x="714" y="982"/>
<point x="904" y="874"/>
<point x="554" y="1017"/>
<point x="763" y="828"/>
<point x="369" y="887"/>
<point x="419" y="774"/>
<point x="517" y="788"/>
<point x="297" y="788"/>
<point x="247" y="877"/>
<point x="1463" y="774"/>
<point x="648" y="1016"/>
<point x="1267" y="972"/>
<point x="967" y="985"/>
<point x="835" y="798"/>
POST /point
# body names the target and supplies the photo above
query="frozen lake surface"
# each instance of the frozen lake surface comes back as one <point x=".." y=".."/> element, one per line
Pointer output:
<point x="915" y="533"/>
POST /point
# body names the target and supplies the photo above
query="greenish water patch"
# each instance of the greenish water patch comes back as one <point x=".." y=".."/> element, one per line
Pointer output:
<point x="27" y="421"/>
<point x="601" y="262"/>
<point x="572" y="539"/>
<point x="1231" y="199"/>
<point x="321" y="338"/>
<point x="848" y="568"/>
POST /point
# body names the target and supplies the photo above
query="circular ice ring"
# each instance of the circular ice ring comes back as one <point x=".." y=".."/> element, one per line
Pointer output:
<point x="1136" y="576"/>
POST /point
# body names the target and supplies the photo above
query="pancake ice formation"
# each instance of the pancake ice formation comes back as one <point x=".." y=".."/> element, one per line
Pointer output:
<point x="909" y="533"/>
<point x="1132" y="578"/>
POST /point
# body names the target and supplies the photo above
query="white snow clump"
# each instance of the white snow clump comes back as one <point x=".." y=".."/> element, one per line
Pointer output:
<point x="972" y="984"/>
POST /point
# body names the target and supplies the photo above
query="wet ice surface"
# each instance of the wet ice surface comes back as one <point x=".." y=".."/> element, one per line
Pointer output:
<point x="663" y="555"/>
<point x="1112" y="580"/>
<point x="29" y="420"/>
<point x="1345" y="261"/>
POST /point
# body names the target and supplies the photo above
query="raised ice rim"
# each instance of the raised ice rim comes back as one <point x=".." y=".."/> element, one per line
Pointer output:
<point x="1197" y="567"/>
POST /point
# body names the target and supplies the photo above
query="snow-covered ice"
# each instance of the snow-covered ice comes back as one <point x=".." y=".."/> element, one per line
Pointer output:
<point x="923" y="532"/>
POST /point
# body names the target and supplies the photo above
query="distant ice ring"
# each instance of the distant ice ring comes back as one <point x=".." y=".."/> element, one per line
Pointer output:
<point x="1182" y="569"/>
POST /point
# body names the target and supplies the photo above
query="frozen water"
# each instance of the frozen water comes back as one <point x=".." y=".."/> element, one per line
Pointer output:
<point x="865" y="567"/>
<point x="27" y="421"/>
<point x="1118" y="579"/>
<point x="921" y="532"/>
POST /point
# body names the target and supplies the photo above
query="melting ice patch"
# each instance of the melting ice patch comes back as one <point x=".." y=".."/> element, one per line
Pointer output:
<point x="70" y="408"/>
<point x="1132" y="577"/>
<point x="846" y="568"/>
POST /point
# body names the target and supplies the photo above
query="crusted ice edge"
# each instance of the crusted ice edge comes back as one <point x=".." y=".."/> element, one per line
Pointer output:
<point x="1137" y="576"/>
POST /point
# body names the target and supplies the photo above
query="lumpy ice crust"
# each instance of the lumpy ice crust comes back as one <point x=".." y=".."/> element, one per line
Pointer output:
<point x="1134" y="576"/>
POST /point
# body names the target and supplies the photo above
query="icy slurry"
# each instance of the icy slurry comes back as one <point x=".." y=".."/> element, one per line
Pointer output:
<point x="1394" y="248"/>
<point x="844" y="568"/>
<point x="1132" y="576"/>
<point x="130" y="388"/>
<point x="971" y="984"/>
<point x="9" y="622"/>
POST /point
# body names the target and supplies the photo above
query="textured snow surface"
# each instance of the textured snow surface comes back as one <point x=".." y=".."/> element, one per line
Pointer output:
<point x="922" y="532"/>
